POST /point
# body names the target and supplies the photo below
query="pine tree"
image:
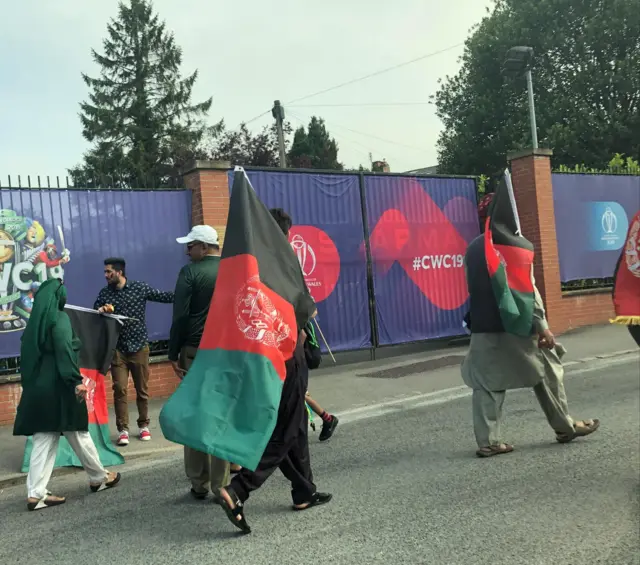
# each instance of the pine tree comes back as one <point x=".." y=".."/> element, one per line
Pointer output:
<point x="314" y="148"/>
<point x="139" y="116"/>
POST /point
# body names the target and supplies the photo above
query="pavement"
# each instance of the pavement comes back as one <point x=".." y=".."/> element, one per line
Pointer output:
<point x="348" y="388"/>
<point x="407" y="488"/>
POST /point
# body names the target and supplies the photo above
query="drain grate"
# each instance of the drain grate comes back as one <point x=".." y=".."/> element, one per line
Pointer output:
<point x="413" y="368"/>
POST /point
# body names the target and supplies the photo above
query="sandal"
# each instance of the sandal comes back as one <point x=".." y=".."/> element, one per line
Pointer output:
<point x="316" y="500"/>
<point x="111" y="481"/>
<point x="581" y="429"/>
<point x="491" y="450"/>
<point x="48" y="501"/>
<point x="233" y="508"/>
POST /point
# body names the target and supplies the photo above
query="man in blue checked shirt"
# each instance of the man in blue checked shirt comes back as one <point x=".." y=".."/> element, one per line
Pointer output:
<point x="129" y="298"/>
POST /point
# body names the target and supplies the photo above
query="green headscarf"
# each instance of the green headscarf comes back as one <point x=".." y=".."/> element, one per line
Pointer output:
<point x="50" y="299"/>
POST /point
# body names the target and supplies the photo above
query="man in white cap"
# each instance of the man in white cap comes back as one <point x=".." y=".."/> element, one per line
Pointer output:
<point x="193" y="293"/>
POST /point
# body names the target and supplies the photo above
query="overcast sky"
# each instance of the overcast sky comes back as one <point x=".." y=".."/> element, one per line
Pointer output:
<point x="248" y="53"/>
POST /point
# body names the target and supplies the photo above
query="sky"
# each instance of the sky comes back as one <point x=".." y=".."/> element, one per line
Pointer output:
<point x="248" y="53"/>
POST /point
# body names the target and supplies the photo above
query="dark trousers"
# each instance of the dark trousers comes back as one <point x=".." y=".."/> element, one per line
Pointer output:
<point x="635" y="333"/>
<point x="288" y="448"/>
<point x="138" y="364"/>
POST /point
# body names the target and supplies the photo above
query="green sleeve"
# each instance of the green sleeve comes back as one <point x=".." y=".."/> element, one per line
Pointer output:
<point x="66" y="357"/>
<point x="181" y="309"/>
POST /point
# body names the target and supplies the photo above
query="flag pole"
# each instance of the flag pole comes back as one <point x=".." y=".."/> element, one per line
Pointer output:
<point x="324" y="339"/>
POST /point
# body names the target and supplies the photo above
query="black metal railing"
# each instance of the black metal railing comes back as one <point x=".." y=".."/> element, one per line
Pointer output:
<point x="101" y="182"/>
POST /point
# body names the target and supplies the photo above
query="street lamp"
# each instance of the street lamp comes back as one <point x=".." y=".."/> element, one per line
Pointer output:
<point x="519" y="60"/>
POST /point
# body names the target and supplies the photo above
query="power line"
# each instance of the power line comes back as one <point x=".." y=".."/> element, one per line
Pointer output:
<point x="334" y="124"/>
<point x="341" y="136"/>
<point x="362" y="149"/>
<point x="377" y="73"/>
<point x="361" y="104"/>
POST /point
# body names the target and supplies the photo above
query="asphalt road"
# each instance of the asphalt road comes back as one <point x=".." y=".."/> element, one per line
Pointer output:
<point x="407" y="488"/>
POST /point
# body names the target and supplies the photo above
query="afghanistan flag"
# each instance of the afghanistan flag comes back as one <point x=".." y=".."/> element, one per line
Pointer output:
<point x="227" y="404"/>
<point x="626" y="288"/>
<point x="99" y="335"/>
<point x="509" y="261"/>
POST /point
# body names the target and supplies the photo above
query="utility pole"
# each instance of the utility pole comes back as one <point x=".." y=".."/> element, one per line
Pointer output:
<point x="278" y="113"/>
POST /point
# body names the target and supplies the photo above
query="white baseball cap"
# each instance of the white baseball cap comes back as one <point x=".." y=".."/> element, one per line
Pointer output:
<point x="204" y="234"/>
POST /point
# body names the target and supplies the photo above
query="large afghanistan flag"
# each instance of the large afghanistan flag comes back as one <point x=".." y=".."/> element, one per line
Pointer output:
<point x="99" y="335"/>
<point x="509" y="261"/>
<point x="227" y="404"/>
<point x="626" y="287"/>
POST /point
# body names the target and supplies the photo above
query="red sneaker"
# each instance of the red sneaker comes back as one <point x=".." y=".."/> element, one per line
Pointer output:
<point x="145" y="434"/>
<point x="123" y="438"/>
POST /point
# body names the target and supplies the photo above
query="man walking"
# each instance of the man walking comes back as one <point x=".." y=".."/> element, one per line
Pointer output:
<point x="129" y="298"/>
<point x="193" y="293"/>
<point x="288" y="447"/>
<point x="511" y="344"/>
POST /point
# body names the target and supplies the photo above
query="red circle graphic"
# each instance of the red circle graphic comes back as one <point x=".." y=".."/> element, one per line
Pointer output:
<point x="319" y="259"/>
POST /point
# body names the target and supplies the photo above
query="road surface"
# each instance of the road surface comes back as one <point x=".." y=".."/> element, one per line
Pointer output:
<point x="407" y="488"/>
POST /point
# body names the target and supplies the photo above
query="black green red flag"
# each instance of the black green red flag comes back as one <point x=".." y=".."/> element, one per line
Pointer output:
<point x="626" y="288"/>
<point x="227" y="403"/>
<point x="99" y="335"/>
<point x="509" y="261"/>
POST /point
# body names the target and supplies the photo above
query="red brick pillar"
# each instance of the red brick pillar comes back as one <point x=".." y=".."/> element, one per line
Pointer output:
<point x="209" y="184"/>
<point x="531" y="174"/>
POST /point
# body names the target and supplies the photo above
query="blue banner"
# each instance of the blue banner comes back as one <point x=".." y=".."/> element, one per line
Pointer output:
<point x="327" y="236"/>
<point x="68" y="234"/>
<point x="592" y="214"/>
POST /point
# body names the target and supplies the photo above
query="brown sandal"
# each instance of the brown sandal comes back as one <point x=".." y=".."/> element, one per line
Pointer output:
<point x="581" y="429"/>
<point x="491" y="450"/>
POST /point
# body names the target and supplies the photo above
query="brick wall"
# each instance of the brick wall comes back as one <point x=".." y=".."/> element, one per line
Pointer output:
<point x="532" y="185"/>
<point x="209" y="182"/>
<point x="162" y="383"/>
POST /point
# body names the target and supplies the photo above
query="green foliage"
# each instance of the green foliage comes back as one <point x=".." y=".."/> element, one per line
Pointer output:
<point x="314" y="148"/>
<point x="244" y="148"/>
<point x="618" y="165"/>
<point x="586" y="79"/>
<point x="482" y="184"/>
<point x="139" y="116"/>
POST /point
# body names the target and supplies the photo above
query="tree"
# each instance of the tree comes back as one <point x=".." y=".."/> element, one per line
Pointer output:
<point x="241" y="147"/>
<point x="586" y="83"/>
<point x="314" y="148"/>
<point x="139" y="116"/>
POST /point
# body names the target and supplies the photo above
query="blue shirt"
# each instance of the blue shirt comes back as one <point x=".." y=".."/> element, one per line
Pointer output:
<point x="131" y="301"/>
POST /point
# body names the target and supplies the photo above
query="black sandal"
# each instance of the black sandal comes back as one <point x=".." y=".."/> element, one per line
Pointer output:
<point x="104" y="485"/>
<point x="233" y="513"/>
<point x="46" y="502"/>
<point x="316" y="500"/>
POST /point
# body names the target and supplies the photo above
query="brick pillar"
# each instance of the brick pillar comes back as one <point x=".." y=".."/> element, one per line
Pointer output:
<point x="531" y="173"/>
<point x="209" y="185"/>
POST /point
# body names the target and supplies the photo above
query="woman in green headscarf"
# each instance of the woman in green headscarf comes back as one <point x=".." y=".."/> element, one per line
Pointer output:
<point x="53" y="394"/>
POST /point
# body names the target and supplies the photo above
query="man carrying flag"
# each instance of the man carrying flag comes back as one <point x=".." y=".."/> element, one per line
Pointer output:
<point x="626" y="289"/>
<point x="242" y="399"/>
<point x="511" y="344"/>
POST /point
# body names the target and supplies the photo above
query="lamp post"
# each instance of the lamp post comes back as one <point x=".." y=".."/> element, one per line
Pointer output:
<point x="519" y="60"/>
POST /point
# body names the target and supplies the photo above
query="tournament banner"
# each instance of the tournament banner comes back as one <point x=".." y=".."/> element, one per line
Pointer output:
<point x="99" y="335"/>
<point x="67" y="234"/>
<point x="592" y="218"/>
<point x="326" y="236"/>
<point x="419" y="232"/>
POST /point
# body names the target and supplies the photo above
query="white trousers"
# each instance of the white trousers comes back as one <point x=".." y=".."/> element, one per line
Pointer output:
<point x="43" y="458"/>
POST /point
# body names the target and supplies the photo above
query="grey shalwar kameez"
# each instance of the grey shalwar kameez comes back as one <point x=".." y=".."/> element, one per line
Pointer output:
<point x="497" y="362"/>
